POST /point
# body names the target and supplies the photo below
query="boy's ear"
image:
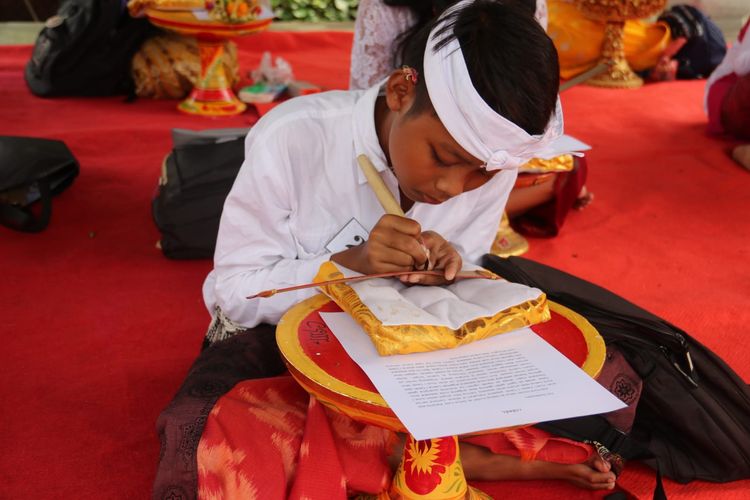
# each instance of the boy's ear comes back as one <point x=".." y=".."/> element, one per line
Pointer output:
<point x="399" y="91"/>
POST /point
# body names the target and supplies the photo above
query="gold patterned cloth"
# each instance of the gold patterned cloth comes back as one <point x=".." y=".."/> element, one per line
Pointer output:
<point x="579" y="39"/>
<point x="410" y="338"/>
<point x="561" y="163"/>
<point x="167" y="66"/>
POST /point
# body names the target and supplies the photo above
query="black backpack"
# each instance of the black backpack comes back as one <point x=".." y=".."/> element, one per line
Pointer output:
<point x="196" y="178"/>
<point x="86" y="49"/>
<point x="693" y="417"/>
<point x="32" y="171"/>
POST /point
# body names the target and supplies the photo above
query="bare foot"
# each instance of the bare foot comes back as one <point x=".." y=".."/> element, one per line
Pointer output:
<point x="585" y="197"/>
<point x="481" y="464"/>
<point x="741" y="155"/>
<point x="594" y="474"/>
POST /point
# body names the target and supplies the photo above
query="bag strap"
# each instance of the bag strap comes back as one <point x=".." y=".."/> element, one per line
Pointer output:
<point x="611" y="444"/>
<point x="23" y="218"/>
<point x="608" y="310"/>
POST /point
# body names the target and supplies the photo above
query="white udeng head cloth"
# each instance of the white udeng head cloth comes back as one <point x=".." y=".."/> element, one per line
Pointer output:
<point x="476" y="127"/>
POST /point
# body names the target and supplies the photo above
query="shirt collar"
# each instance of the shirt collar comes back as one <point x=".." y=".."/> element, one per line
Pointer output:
<point x="365" y="136"/>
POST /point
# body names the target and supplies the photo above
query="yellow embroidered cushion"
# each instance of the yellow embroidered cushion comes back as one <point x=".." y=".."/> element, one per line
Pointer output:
<point x="410" y="338"/>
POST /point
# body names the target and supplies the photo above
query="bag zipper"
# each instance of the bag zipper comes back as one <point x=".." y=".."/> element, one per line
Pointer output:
<point x="676" y="338"/>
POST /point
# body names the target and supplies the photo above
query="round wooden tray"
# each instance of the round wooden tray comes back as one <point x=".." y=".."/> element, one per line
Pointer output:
<point x="320" y="364"/>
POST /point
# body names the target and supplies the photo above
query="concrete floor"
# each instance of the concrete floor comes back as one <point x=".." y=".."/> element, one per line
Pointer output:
<point x="729" y="15"/>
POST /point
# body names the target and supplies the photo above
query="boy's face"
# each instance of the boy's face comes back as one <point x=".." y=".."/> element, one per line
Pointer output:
<point x="429" y="164"/>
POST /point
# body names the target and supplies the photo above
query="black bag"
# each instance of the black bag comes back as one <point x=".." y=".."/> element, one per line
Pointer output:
<point x="693" y="416"/>
<point x="31" y="172"/>
<point x="86" y="49"/>
<point x="196" y="178"/>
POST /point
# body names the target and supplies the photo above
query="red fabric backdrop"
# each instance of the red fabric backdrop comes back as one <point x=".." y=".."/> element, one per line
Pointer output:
<point x="99" y="328"/>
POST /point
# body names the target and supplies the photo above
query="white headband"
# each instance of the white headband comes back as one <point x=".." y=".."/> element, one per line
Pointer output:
<point x="476" y="127"/>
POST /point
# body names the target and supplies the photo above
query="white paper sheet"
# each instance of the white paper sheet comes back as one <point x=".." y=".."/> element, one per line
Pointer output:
<point x="510" y="379"/>
<point x="394" y="303"/>
<point x="565" y="144"/>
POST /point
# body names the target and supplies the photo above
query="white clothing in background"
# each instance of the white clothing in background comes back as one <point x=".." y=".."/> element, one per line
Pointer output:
<point x="300" y="185"/>
<point x="376" y="30"/>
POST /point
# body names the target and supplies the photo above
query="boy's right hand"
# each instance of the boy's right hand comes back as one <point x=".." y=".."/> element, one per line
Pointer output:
<point x="393" y="245"/>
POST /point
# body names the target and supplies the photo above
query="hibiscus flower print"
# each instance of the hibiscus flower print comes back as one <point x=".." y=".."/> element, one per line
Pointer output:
<point x="426" y="461"/>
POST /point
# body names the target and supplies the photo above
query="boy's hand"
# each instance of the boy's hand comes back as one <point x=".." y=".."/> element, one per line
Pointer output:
<point x="443" y="257"/>
<point x="393" y="245"/>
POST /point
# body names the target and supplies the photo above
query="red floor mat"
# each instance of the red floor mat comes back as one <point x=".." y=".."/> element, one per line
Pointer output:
<point x="99" y="328"/>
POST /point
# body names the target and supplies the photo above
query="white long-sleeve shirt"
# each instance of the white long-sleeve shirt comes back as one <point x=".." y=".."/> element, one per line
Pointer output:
<point x="300" y="185"/>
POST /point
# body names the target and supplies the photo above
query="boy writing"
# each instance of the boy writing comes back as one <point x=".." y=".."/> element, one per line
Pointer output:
<point x="477" y="98"/>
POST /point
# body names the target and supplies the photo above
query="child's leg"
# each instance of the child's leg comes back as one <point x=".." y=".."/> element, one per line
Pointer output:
<point x="741" y="155"/>
<point x="540" y="210"/>
<point x="482" y="464"/>
<point x="522" y="199"/>
<point x="217" y="369"/>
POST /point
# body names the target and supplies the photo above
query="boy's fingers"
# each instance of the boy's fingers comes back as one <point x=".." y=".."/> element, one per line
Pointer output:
<point x="412" y="257"/>
<point x="389" y="267"/>
<point x="429" y="280"/>
<point x="452" y="266"/>
<point x="402" y="260"/>
<point x="401" y="224"/>
<point x="398" y="242"/>
<point x="393" y="257"/>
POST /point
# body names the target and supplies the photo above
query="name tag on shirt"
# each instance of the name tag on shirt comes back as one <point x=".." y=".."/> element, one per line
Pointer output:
<point x="351" y="235"/>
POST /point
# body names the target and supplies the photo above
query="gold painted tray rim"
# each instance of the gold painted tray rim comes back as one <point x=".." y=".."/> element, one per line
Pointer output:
<point x="291" y="349"/>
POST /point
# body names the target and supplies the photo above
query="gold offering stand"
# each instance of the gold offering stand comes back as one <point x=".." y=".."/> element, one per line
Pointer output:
<point x="615" y="13"/>
<point x="429" y="469"/>
<point x="211" y="22"/>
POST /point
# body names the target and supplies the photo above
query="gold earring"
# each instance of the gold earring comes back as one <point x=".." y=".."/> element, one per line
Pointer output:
<point x="410" y="74"/>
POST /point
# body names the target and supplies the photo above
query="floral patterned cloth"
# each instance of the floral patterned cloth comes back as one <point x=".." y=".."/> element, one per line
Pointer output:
<point x="240" y="427"/>
<point x="267" y="438"/>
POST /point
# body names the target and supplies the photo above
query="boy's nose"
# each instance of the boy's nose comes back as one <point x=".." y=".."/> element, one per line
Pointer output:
<point x="452" y="182"/>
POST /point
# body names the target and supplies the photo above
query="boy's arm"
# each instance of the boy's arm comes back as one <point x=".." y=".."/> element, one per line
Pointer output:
<point x="256" y="249"/>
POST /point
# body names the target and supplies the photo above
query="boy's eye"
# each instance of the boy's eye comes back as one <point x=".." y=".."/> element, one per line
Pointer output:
<point x="437" y="159"/>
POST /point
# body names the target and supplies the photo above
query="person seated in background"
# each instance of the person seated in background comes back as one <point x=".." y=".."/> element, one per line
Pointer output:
<point x="682" y="44"/>
<point x="727" y="99"/>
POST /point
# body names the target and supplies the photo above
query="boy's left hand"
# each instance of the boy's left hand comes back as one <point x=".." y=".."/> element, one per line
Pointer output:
<point x="443" y="257"/>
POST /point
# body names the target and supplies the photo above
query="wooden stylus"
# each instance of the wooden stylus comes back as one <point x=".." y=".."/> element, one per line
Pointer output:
<point x="384" y="195"/>
<point x="586" y="75"/>
<point x="475" y="274"/>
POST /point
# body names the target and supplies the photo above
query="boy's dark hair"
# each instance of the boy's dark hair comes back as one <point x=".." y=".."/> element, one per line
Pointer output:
<point x="511" y="60"/>
<point x="426" y="10"/>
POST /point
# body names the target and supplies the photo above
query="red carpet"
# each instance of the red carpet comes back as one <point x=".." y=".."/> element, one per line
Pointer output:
<point x="99" y="328"/>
